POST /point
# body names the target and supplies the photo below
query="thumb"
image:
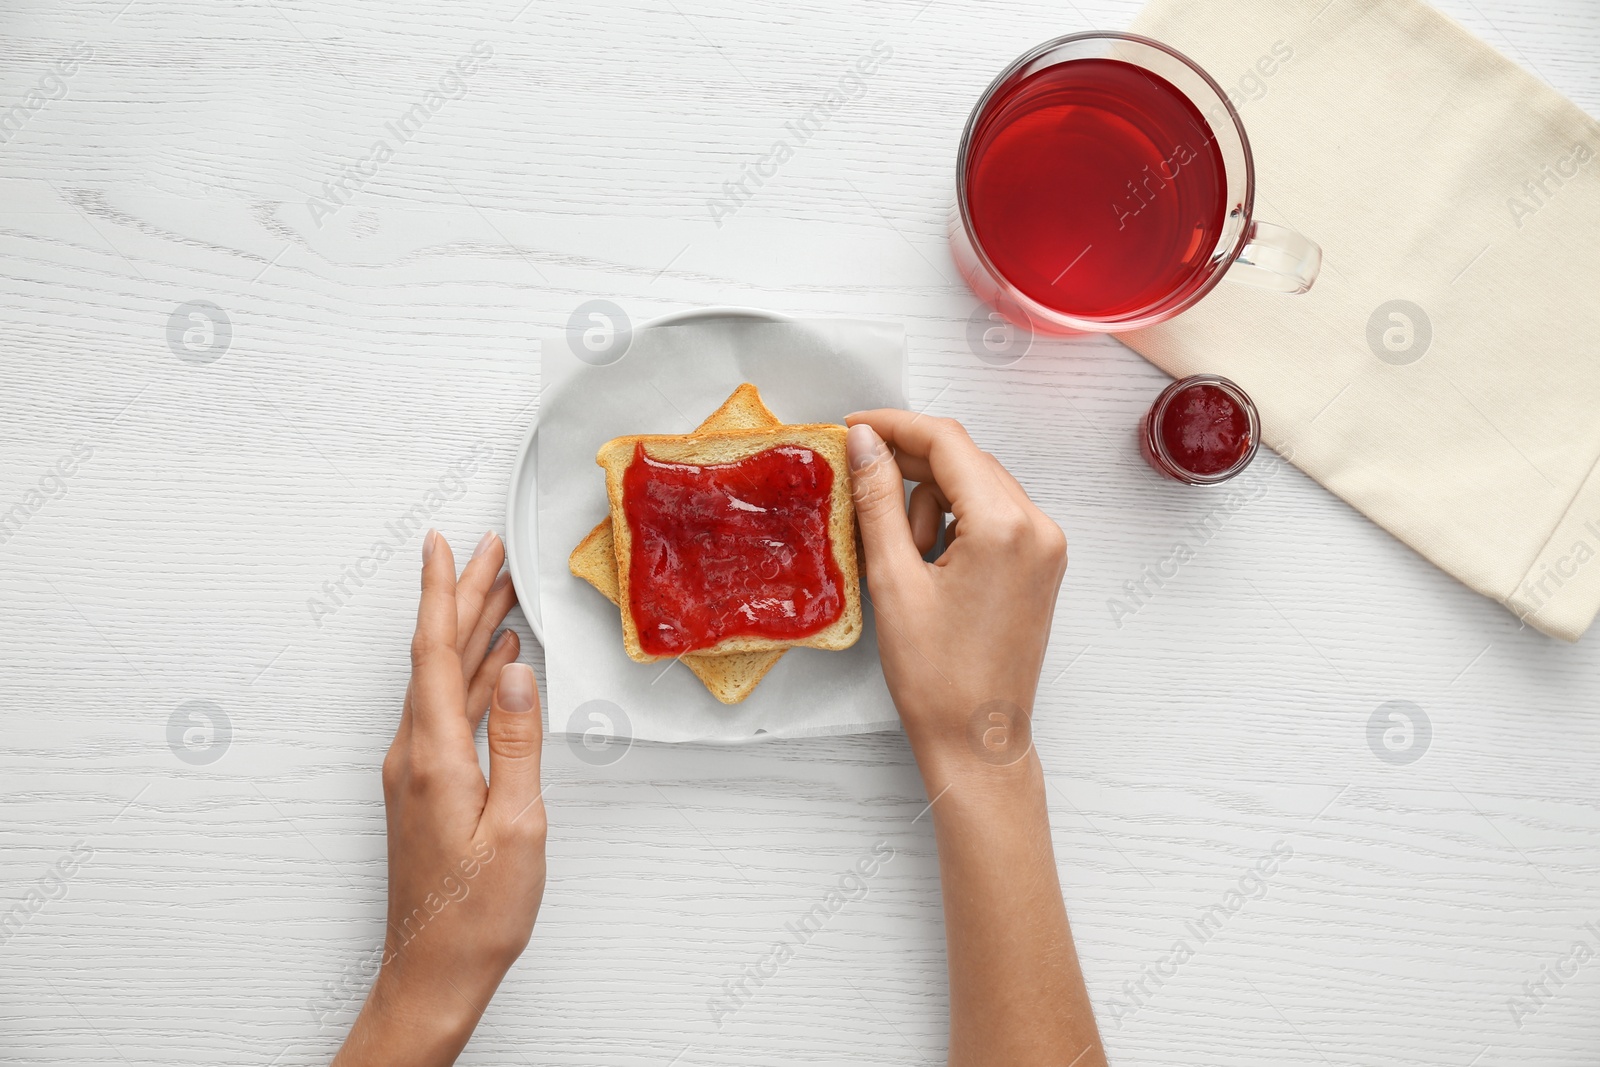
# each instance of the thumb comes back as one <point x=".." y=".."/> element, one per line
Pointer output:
<point x="516" y="740"/>
<point x="880" y="498"/>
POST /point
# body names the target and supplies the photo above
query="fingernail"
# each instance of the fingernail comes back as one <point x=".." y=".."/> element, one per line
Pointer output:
<point x="505" y="636"/>
<point x="854" y="415"/>
<point x="428" y="543"/>
<point x="488" y="539"/>
<point x="516" y="690"/>
<point x="863" y="447"/>
<point x="501" y="582"/>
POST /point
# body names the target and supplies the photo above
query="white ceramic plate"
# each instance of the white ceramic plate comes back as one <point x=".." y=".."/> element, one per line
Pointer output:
<point x="522" y="520"/>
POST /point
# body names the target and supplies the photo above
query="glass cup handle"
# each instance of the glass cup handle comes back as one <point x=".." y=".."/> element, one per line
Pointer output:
<point x="1277" y="258"/>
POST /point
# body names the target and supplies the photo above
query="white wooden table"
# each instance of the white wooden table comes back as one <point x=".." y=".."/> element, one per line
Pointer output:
<point x="185" y="912"/>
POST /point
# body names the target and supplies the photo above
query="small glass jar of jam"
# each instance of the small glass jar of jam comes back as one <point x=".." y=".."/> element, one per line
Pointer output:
<point x="1201" y="430"/>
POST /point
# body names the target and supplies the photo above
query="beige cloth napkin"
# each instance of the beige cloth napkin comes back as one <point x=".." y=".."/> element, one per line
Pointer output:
<point x="1433" y="171"/>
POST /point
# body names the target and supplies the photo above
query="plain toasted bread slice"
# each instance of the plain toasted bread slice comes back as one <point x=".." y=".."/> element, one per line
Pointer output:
<point x="827" y="441"/>
<point x="729" y="678"/>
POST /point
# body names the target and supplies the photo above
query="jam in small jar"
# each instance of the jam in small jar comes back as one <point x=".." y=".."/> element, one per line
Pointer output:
<point x="1201" y="430"/>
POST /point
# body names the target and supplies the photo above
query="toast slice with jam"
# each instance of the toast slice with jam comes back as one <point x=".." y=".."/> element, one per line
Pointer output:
<point x="731" y="677"/>
<point x="733" y="541"/>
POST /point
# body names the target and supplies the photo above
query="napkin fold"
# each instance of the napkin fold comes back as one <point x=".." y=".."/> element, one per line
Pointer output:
<point x="1443" y="376"/>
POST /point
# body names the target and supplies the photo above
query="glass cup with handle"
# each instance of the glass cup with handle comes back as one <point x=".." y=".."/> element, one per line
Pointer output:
<point x="1105" y="183"/>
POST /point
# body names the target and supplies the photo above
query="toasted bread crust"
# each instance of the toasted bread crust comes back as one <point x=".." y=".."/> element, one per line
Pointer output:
<point x="743" y="410"/>
<point x="595" y="560"/>
<point x="828" y="441"/>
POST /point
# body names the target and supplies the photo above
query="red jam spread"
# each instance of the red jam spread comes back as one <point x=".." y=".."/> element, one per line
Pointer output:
<point x="730" y="549"/>
<point x="1204" y="430"/>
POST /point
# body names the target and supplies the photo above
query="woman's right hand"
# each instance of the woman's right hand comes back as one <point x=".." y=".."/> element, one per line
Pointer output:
<point x="962" y="639"/>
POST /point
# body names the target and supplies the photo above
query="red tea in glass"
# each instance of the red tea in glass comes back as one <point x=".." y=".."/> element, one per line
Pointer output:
<point x="1105" y="183"/>
<point x="1097" y="189"/>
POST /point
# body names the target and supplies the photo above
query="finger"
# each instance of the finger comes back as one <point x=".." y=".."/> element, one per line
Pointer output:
<point x="437" y="688"/>
<point x="879" y="495"/>
<point x="483" y="679"/>
<point x="405" y="711"/>
<point x="1047" y="527"/>
<point x="925" y="513"/>
<point x="473" y="586"/>
<point x="955" y="462"/>
<point x="914" y="468"/>
<point x="497" y="604"/>
<point x="1008" y="481"/>
<point x="516" y="737"/>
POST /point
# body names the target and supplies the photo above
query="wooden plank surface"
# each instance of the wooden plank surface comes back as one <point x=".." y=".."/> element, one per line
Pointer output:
<point x="198" y="913"/>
